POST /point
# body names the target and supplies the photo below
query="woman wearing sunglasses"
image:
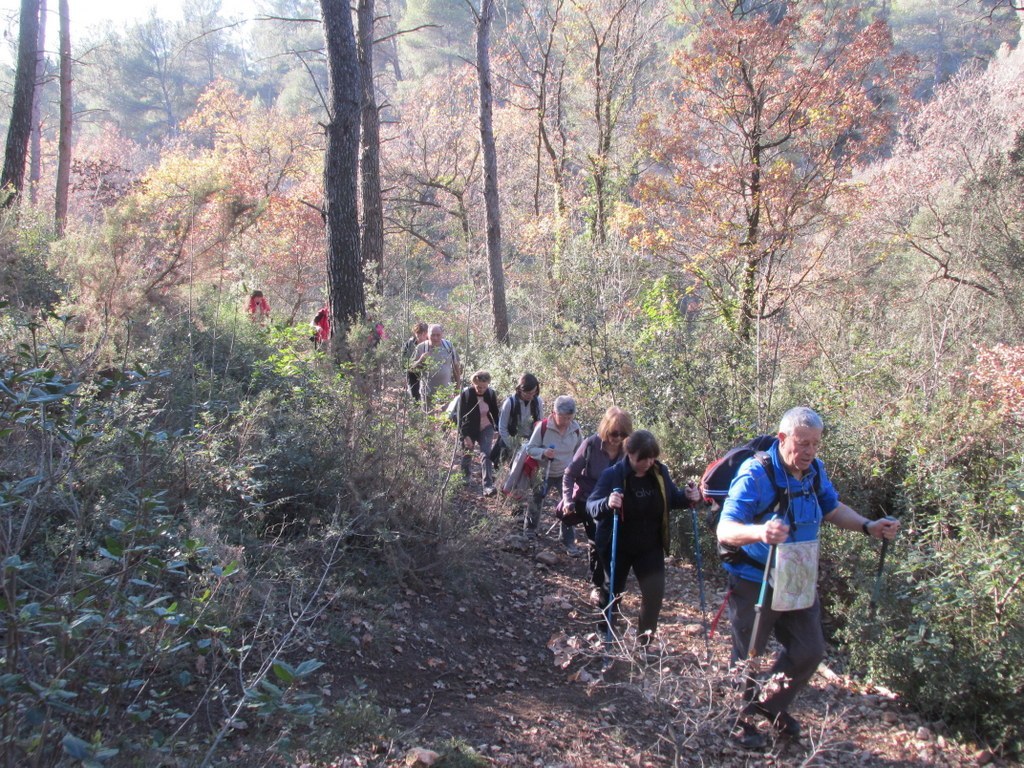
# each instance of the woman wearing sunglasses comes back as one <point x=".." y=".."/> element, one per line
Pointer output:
<point x="594" y="456"/>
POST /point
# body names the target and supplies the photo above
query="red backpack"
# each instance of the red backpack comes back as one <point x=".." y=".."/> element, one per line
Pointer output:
<point x="715" y="482"/>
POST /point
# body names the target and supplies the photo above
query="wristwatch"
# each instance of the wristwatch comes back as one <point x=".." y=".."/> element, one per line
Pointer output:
<point x="864" y="527"/>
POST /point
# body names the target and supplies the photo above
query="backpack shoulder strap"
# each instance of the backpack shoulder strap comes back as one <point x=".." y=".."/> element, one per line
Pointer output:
<point x="818" y="468"/>
<point x="781" y="494"/>
<point x="589" y="445"/>
<point x="513" y="414"/>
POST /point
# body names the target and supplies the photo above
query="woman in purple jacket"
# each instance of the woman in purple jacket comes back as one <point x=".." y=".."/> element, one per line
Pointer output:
<point x="593" y="457"/>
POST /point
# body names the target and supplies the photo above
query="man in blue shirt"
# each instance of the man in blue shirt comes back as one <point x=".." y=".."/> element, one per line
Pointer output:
<point x="743" y="523"/>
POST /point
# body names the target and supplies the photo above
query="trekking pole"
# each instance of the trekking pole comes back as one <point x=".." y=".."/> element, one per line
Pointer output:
<point x="877" y="589"/>
<point x="608" y="635"/>
<point x="544" y="488"/>
<point x="699" y="558"/>
<point x="547" y="477"/>
<point x="752" y="650"/>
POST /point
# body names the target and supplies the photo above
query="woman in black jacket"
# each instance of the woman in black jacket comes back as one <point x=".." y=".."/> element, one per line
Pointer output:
<point x="639" y="490"/>
<point x="477" y="417"/>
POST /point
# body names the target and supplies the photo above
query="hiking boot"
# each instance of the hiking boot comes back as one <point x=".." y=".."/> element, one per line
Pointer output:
<point x="650" y="655"/>
<point x="784" y="723"/>
<point x="489" y="490"/>
<point x="531" y="533"/>
<point x="746" y="735"/>
<point x="573" y="551"/>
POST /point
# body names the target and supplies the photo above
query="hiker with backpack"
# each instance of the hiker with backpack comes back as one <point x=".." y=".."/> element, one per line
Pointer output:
<point x="551" y="446"/>
<point x="412" y="378"/>
<point x="594" y="456"/>
<point x="475" y="414"/>
<point x="769" y="523"/>
<point x="437" y="363"/>
<point x="520" y="413"/>
<point x="638" y="490"/>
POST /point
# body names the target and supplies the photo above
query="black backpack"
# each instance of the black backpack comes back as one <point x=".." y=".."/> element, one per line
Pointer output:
<point x="501" y="452"/>
<point x="513" y="418"/>
<point x="715" y="482"/>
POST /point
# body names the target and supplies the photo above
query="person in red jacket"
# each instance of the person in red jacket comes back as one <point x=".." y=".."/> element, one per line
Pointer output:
<point x="321" y="326"/>
<point x="259" y="307"/>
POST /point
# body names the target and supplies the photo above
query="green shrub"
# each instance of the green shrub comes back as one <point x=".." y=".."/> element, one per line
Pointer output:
<point x="949" y="630"/>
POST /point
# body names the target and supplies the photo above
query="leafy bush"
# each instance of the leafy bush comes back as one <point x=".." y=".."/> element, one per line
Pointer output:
<point x="949" y="629"/>
<point x="149" y="553"/>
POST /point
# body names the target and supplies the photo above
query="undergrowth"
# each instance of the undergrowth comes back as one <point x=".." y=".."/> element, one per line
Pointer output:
<point x="173" y="534"/>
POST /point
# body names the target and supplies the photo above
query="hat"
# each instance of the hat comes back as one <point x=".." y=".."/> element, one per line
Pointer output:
<point x="565" y="404"/>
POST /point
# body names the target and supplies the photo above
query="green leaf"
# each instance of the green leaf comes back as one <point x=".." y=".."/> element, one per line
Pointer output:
<point x="307" y="667"/>
<point x="284" y="672"/>
<point x="226" y="570"/>
<point x="75" y="747"/>
<point x="14" y="563"/>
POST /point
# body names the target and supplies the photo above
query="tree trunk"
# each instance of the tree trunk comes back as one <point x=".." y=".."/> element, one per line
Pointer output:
<point x="495" y="268"/>
<point x="36" y="143"/>
<point x="752" y="248"/>
<point x="64" y="141"/>
<point x="344" y="265"/>
<point x="369" y="155"/>
<point x="20" y="128"/>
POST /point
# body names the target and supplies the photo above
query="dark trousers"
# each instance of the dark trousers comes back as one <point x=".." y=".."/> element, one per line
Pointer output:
<point x="483" y="445"/>
<point x="412" y="384"/>
<point x="649" y="568"/>
<point x="799" y="633"/>
<point x="593" y="558"/>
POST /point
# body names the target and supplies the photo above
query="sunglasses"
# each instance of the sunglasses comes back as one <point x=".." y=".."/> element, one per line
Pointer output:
<point x="618" y="434"/>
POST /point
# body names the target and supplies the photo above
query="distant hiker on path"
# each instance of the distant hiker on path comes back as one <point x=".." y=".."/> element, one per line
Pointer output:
<point x="594" y="456"/>
<point x="419" y="335"/>
<point x="640" y="491"/>
<point x="476" y="414"/>
<point x="791" y="609"/>
<point x="438" y="364"/>
<point x="552" y="445"/>
<point x="259" y="307"/>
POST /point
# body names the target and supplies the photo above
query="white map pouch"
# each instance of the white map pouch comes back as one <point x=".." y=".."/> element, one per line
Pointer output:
<point x="795" y="576"/>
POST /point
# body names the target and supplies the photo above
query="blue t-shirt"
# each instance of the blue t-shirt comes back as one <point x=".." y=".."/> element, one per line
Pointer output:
<point x="752" y="492"/>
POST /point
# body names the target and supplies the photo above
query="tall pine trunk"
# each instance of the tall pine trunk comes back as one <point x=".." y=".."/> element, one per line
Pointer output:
<point x="20" y="128"/>
<point x="36" y="142"/>
<point x="495" y="268"/>
<point x="341" y="209"/>
<point x="64" y="141"/>
<point x="369" y="155"/>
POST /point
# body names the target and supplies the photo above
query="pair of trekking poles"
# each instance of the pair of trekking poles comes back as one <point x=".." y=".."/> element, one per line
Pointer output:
<point x="753" y="651"/>
<point x="700" y="576"/>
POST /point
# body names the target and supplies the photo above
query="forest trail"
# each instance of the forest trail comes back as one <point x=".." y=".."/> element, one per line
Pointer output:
<point x="511" y="667"/>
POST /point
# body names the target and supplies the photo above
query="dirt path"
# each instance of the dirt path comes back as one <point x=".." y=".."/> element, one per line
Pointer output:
<point x="513" y="669"/>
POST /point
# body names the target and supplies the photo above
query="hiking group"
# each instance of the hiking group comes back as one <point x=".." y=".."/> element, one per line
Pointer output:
<point x="766" y="501"/>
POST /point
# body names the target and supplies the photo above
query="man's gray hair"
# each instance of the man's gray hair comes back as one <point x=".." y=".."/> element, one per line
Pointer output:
<point x="801" y="416"/>
<point x="435" y="327"/>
